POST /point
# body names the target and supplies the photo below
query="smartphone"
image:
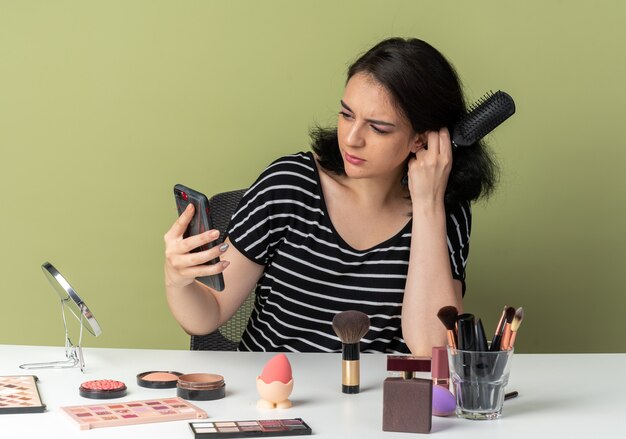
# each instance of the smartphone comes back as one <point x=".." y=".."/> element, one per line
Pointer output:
<point x="201" y="222"/>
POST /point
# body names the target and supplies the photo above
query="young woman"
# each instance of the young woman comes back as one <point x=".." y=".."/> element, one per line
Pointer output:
<point x="338" y="229"/>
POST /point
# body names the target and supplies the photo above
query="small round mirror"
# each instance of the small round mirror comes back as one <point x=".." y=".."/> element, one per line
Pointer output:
<point x="70" y="299"/>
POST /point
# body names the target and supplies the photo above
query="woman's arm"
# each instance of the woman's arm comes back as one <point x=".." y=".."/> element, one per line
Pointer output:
<point x="197" y="308"/>
<point x="429" y="284"/>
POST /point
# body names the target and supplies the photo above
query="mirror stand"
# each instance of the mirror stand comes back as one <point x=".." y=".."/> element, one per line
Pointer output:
<point x="74" y="354"/>
<point x="78" y="308"/>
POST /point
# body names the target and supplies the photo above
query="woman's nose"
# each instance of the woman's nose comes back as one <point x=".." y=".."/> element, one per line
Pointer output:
<point x="355" y="136"/>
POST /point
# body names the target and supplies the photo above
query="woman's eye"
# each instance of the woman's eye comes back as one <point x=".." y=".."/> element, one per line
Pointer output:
<point x="345" y="115"/>
<point x="378" y="130"/>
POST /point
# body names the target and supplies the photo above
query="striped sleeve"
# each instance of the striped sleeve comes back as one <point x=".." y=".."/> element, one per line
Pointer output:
<point x="459" y="224"/>
<point x="270" y="206"/>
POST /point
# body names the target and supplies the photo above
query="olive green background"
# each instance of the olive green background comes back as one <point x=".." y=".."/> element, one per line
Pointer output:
<point x="105" y="105"/>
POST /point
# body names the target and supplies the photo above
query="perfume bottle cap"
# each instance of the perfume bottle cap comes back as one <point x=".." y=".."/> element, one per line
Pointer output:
<point x="408" y="363"/>
<point x="440" y="368"/>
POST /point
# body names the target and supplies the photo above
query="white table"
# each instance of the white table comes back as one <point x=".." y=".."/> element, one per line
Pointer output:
<point x="562" y="396"/>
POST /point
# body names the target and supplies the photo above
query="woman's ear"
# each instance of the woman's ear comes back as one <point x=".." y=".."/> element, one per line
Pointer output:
<point x="419" y="142"/>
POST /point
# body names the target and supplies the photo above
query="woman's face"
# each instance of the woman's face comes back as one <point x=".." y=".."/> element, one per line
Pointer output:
<point x="375" y="138"/>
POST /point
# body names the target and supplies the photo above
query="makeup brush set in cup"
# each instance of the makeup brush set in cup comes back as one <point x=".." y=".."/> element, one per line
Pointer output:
<point x="480" y="370"/>
<point x="410" y="397"/>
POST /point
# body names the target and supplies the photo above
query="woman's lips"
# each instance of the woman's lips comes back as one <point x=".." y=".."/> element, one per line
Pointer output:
<point x="353" y="160"/>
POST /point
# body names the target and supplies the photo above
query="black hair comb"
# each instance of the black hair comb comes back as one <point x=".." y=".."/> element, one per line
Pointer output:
<point x="484" y="116"/>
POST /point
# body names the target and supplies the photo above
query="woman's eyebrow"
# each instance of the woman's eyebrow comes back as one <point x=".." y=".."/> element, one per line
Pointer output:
<point x="374" y="121"/>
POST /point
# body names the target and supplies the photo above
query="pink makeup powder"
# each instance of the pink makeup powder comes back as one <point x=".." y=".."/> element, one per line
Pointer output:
<point x="158" y="379"/>
<point x="103" y="385"/>
<point x="160" y="376"/>
<point x="102" y="389"/>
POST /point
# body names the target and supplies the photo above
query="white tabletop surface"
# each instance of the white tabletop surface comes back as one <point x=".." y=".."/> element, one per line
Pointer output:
<point x="563" y="396"/>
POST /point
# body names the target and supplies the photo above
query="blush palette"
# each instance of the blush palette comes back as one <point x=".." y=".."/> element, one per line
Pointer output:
<point x="133" y="412"/>
<point x="262" y="428"/>
<point x="19" y="394"/>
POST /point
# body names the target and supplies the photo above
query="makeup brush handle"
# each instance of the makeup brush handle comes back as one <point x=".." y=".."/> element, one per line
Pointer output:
<point x="497" y="337"/>
<point x="350" y="368"/>
<point x="512" y="341"/>
<point x="451" y="339"/>
<point x="495" y="343"/>
<point x="511" y="395"/>
<point x="350" y="377"/>
<point x="350" y="351"/>
<point x="506" y="337"/>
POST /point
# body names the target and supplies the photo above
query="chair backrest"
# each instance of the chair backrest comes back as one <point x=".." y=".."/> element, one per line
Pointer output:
<point x="226" y="337"/>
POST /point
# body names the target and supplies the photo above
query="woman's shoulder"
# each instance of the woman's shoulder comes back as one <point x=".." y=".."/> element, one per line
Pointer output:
<point x="287" y="182"/>
<point x="293" y="169"/>
<point x="299" y="161"/>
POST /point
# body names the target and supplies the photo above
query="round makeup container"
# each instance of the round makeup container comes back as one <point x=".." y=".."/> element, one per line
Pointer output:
<point x="102" y="389"/>
<point x="201" y="386"/>
<point x="157" y="379"/>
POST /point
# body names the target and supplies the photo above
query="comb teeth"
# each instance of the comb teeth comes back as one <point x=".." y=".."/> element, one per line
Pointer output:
<point x="484" y="116"/>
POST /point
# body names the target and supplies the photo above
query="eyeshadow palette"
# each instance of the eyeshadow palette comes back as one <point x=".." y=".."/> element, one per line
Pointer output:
<point x="19" y="394"/>
<point x="262" y="428"/>
<point x="133" y="412"/>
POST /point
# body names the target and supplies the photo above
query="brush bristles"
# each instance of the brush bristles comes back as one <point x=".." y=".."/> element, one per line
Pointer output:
<point x="517" y="319"/>
<point x="351" y="326"/>
<point x="448" y="315"/>
<point x="509" y="314"/>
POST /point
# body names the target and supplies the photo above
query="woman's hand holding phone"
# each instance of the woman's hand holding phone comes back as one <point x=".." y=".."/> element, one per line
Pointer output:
<point x="182" y="266"/>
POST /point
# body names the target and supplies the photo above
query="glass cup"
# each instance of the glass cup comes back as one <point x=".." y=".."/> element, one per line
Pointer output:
<point x="479" y="379"/>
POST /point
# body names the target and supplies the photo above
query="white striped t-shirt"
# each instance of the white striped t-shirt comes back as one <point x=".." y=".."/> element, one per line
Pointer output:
<point x="311" y="274"/>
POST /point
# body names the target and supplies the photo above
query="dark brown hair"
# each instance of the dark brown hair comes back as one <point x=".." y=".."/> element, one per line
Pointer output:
<point x="426" y="89"/>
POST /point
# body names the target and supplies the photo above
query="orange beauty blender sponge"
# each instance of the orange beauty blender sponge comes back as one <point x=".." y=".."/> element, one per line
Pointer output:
<point x="277" y="369"/>
<point x="275" y="383"/>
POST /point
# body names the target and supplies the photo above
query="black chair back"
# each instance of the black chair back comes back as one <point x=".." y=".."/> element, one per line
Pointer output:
<point x="225" y="338"/>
